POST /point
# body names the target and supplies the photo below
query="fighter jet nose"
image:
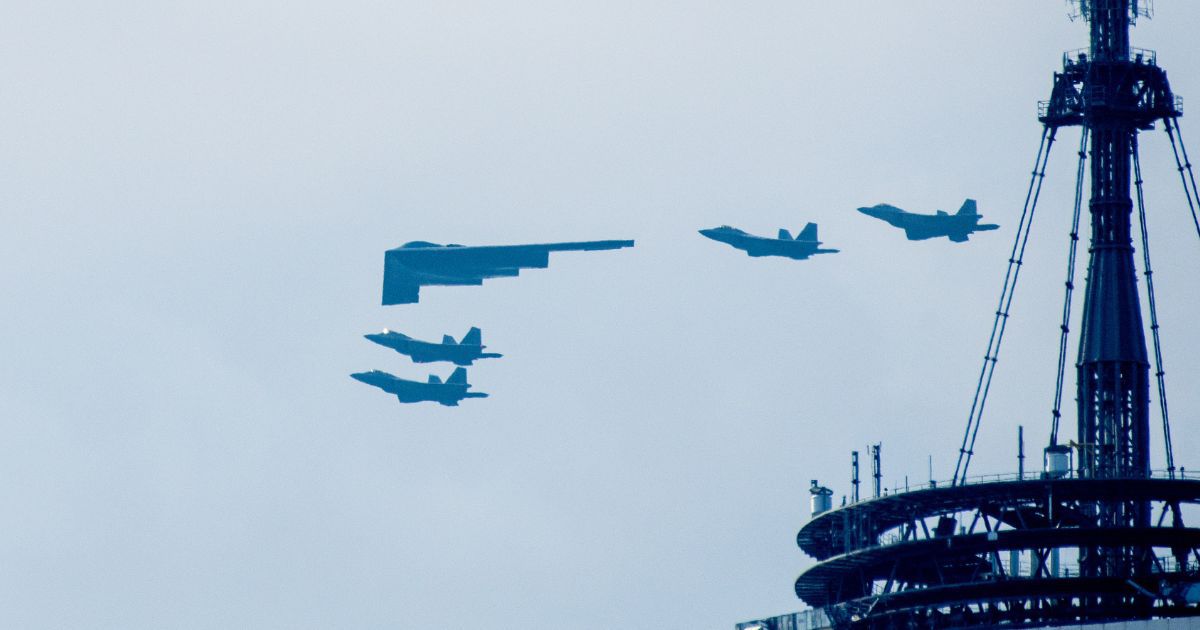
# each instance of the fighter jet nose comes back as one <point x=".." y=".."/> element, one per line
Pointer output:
<point x="359" y="376"/>
<point x="379" y="338"/>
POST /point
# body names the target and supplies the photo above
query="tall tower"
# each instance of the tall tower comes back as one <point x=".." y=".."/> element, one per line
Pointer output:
<point x="1113" y="373"/>
<point x="1113" y="389"/>
<point x="1106" y="542"/>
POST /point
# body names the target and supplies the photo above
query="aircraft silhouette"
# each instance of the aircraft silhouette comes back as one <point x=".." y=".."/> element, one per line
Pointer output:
<point x="463" y="352"/>
<point x="448" y="393"/>
<point x="413" y="265"/>
<point x="804" y="245"/>
<point x="918" y="227"/>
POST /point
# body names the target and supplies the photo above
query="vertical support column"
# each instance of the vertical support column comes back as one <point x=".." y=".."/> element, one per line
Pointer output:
<point x="1112" y="369"/>
<point x="854" y="475"/>
<point x="875" y="469"/>
<point x="1021" y="452"/>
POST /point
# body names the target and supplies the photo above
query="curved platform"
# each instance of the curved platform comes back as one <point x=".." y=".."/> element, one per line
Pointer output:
<point x="1022" y="552"/>
<point x="826" y="535"/>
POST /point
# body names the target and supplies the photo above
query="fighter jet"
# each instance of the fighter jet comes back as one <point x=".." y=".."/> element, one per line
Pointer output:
<point x="917" y="227"/>
<point x="413" y="265"/>
<point x="463" y="352"/>
<point x="448" y="393"/>
<point x="804" y="245"/>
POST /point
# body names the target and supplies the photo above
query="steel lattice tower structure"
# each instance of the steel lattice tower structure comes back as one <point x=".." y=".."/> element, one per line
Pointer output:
<point x="1113" y="371"/>
<point x="1113" y="389"/>
<point x="1106" y="541"/>
<point x="1114" y="92"/>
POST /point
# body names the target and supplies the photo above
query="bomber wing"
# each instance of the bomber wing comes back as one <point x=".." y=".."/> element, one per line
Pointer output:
<point x="408" y="268"/>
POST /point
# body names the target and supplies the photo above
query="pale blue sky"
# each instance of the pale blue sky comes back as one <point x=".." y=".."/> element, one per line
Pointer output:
<point x="197" y="196"/>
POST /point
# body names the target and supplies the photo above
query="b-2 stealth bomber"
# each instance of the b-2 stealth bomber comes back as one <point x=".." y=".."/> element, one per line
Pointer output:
<point x="448" y="393"/>
<point x="413" y="265"/>
<point x="463" y="352"/>
<point x="800" y="248"/>
<point x="918" y="227"/>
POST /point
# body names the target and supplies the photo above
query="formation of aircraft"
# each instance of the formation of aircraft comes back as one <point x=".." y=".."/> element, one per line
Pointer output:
<point x="447" y="393"/>
<point x="464" y="352"/>
<point x="917" y="227"/>
<point x="804" y="245"/>
<point x="420" y="263"/>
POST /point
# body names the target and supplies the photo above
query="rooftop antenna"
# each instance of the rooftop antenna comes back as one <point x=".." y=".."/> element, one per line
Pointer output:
<point x="1086" y="9"/>
<point x="875" y="468"/>
<point x="854" y="474"/>
<point x="1020" y="452"/>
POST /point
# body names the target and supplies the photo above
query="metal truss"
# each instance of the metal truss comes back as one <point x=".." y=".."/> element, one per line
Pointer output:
<point x="1015" y="553"/>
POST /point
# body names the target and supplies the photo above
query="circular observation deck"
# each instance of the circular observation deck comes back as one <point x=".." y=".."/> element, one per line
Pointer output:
<point x="1014" y="552"/>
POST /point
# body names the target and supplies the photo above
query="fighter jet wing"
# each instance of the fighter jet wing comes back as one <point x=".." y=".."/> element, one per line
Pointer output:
<point x="403" y="387"/>
<point x="408" y="268"/>
<point x="915" y="233"/>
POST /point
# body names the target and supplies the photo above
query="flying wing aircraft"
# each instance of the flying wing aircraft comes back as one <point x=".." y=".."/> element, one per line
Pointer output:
<point x="413" y="265"/>
<point x="917" y="227"/>
<point x="448" y="393"/>
<point x="804" y="245"/>
<point x="463" y="352"/>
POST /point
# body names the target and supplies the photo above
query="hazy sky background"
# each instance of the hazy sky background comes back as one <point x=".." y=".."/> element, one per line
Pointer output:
<point x="196" y="197"/>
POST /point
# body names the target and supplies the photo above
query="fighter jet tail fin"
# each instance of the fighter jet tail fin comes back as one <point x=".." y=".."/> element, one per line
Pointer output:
<point x="447" y="340"/>
<point x="809" y="233"/>
<point x="784" y="235"/>
<point x="458" y="377"/>
<point x="474" y="337"/>
<point x="434" y="380"/>
<point x="968" y="208"/>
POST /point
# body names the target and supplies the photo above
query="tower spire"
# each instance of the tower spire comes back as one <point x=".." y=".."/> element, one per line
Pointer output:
<point x="1113" y="373"/>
